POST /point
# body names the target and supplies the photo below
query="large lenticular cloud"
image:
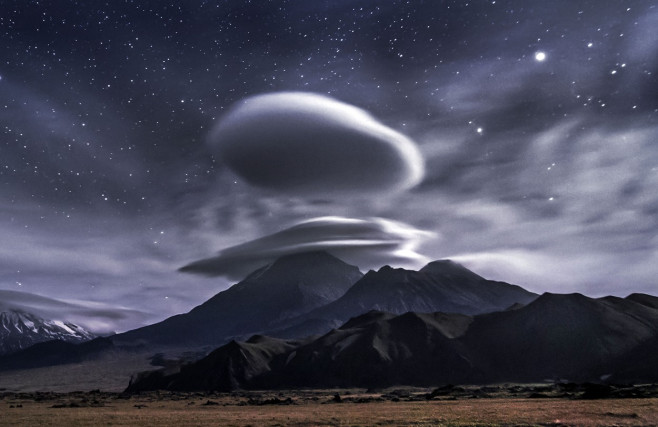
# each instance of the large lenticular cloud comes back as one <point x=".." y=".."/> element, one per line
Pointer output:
<point x="308" y="144"/>
<point x="365" y="242"/>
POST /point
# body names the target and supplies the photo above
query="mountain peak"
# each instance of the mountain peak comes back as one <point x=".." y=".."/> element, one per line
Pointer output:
<point x="549" y="297"/>
<point x="304" y="267"/>
<point x="388" y="268"/>
<point x="312" y="259"/>
<point x="19" y="329"/>
<point x="449" y="268"/>
<point x="549" y="302"/>
<point x="644" y="299"/>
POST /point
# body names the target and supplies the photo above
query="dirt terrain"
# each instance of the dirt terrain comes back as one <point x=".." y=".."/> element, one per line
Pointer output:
<point x="448" y="405"/>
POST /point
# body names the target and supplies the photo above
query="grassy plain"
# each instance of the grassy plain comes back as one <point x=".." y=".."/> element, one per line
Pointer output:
<point x="317" y="408"/>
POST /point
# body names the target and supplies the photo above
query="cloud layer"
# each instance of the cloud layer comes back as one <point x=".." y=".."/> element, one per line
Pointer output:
<point x="308" y="144"/>
<point x="364" y="242"/>
<point x="97" y="317"/>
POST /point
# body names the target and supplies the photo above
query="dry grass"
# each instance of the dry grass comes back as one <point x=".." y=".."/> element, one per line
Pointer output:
<point x="316" y="408"/>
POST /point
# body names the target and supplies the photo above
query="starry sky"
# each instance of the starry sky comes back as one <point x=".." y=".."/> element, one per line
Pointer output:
<point x="518" y="137"/>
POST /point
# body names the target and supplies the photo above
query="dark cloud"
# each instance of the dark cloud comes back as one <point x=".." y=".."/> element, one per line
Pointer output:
<point x="304" y="143"/>
<point x="364" y="242"/>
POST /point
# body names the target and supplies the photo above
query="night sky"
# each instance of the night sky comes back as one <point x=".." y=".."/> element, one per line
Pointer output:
<point x="517" y="137"/>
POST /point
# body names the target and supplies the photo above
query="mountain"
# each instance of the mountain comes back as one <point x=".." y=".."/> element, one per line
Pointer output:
<point x="557" y="337"/>
<point x="439" y="286"/>
<point x="232" y="366"/>
<point x="287" y="288"/>
<point x="20" y="330"/>
<point x="561" y="336"/>
<point x="381" y="349"/>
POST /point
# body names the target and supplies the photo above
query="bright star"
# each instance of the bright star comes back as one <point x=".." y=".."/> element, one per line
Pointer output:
<point x="540" y="56"/>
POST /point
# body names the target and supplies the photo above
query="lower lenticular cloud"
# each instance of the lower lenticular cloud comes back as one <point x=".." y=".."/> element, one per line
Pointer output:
<point x="97" y="317"/>
<point x="364" y="242"/>
<point x="308" y="144"/>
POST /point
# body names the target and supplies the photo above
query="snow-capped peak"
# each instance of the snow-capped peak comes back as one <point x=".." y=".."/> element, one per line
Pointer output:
<point x="19" y="330"/>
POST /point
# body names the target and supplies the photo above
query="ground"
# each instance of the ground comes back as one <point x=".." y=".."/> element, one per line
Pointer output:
<point x="465" y="406"/>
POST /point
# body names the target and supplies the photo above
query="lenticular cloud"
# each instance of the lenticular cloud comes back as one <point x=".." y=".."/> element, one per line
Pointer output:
<point x="367" y="242"/>
<point x="308" y="144"/>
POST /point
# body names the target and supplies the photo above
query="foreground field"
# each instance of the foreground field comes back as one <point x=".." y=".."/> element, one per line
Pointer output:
<point x="318" y="408"/>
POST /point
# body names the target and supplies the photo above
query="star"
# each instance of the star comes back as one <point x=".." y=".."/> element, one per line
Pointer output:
<point x="107" y="126"/>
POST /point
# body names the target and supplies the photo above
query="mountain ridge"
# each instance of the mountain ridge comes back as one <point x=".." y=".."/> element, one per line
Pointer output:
<point x="439" y="286"/>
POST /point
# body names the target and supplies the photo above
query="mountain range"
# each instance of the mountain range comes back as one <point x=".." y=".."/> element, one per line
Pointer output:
<point x="312" y="320"/>
<point x="309" y="293"/>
